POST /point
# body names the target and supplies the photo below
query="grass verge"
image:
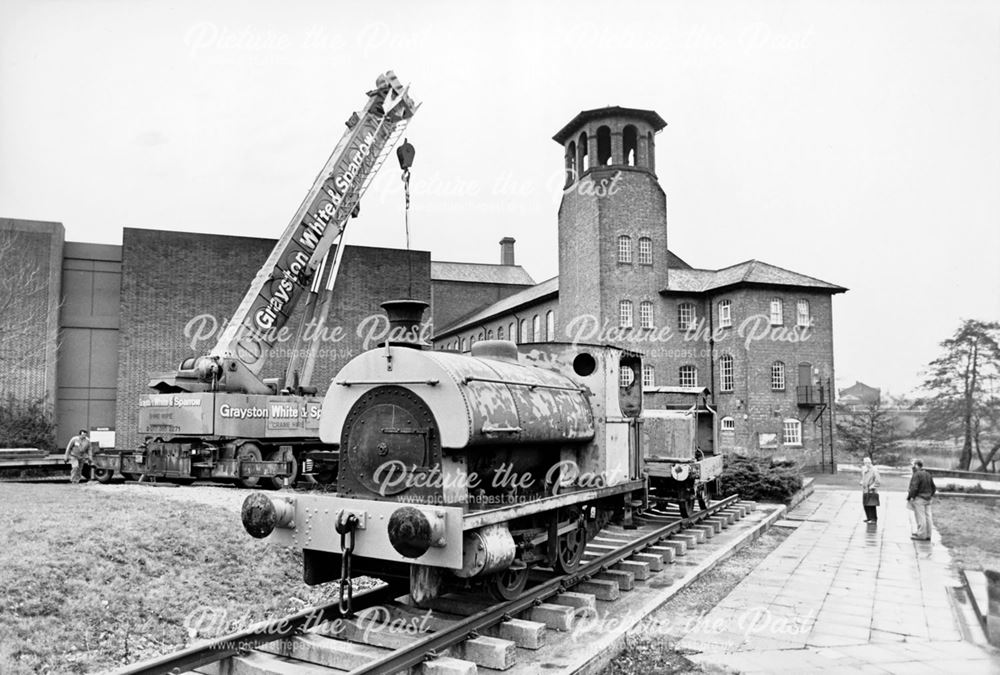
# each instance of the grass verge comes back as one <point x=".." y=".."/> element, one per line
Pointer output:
<point x="92" y="580"/>
<point x="971" y="531"/>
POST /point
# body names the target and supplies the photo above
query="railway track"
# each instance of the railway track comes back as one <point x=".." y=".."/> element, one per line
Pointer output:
<point x="459" y="633"/>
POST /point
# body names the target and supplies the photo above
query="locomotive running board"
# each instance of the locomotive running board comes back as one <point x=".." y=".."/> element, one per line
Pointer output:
<point x="477" y="519"/>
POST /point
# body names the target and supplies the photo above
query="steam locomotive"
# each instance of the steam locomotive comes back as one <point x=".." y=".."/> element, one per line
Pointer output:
<point x="472" y="468"/>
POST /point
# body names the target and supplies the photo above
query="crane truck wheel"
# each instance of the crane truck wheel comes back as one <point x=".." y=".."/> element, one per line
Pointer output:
<point x="278" y="483"/>
<point x="251" y="453"/>
<point x="102" y="475"/>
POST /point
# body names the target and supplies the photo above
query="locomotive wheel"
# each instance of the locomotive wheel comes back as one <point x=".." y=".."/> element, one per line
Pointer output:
<point x="687" y="507"/>
<point x="250" y="452"/>
<point x="509" y="584"/>
<point x="569" y="549"/>
<point x="102" y="475"/>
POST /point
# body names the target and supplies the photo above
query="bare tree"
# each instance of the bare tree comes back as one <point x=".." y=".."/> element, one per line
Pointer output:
<point x="23" y="301"/>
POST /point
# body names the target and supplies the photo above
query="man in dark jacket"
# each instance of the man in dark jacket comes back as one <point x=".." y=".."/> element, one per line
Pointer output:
<point x="922" y="489"/>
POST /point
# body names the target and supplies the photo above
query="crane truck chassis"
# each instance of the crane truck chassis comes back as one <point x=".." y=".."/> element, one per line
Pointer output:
<point x="216" y="417"/>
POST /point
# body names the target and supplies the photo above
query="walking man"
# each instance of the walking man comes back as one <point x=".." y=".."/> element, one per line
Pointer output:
<point x="77" y="451"/>
<point x="922" y="489"/>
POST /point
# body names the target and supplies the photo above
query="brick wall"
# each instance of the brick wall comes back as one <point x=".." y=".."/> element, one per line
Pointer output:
<point x="30" y="293"/>
<point x="753" y="404"/>
<point x="172" y="278"/>
<point x="452" y="300"/>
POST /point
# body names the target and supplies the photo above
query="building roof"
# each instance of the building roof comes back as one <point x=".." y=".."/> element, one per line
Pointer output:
<point x="481" y="273"/>
<point x="650" y="116"/>
<point x="528" y="296"/>
<point x="750" y="272"/>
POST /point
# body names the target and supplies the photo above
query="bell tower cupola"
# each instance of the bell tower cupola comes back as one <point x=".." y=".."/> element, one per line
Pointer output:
<point x="612" y="222"/>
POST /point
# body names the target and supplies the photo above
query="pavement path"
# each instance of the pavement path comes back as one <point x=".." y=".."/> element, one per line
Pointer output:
<point x="841" y="595"/>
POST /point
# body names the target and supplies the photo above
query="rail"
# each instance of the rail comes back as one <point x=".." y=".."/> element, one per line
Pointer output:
<point x="412" y="655"/>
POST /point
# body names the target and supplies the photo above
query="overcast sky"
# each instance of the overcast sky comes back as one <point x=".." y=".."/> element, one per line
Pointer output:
<point x="854" y="142"/>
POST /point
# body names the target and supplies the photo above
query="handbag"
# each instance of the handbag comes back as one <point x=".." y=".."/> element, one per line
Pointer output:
<point x="870" y="499"/>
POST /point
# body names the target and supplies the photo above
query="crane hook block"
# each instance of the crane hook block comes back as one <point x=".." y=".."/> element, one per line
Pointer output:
<point x="404" y="154"/>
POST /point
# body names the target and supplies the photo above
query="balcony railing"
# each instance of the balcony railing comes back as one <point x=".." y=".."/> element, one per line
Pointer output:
<point x="810" y="396"/>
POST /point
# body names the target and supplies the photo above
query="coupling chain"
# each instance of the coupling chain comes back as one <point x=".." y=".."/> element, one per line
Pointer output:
<point x="346" y="525"/>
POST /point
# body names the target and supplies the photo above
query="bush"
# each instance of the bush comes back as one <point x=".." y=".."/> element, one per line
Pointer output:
<point x="760" y="478"/>
<point x="27" y="424"/>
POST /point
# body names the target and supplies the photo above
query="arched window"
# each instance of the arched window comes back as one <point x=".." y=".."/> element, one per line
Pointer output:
<point x="570" y="163"/>
<point x="791" y="432"/>
<point x="685" y="316"/>
<point x="645" y="251"/>
<point x="645" y="314"/>
<point x="650" y="153"/>
<point x="625" y="314"/>
<point x="536" y="328"/>
<point x="500" y="333"/>
<point x="630" y="145"/>
<point x="648" y="376"/>
<point x="688" y="376"/>
<point x="582" y="160"/>
<point x="626" y="376"/>
<point x="725" y="313"/>
<point x="511" y="332"/>
<point x="603" y="146"/>
<point x="550" y="325"/>
<point x="778" y="376"/>
<point x="624" y="248"/>
<point x="523" y="337"/>
<point x="777" y="317"/>
<point x="489" y="334"/>
<point x="726" y="372"/>
<point x="461" y="344"/>
<point x="472" y="341"/>
<point x="802" y="317"/>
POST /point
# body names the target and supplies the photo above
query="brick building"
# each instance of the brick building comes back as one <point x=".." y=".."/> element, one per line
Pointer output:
<point x="758" y="336"/>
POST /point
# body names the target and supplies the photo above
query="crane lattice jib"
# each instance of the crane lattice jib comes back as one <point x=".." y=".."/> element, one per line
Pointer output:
<point x="317" y="225"/>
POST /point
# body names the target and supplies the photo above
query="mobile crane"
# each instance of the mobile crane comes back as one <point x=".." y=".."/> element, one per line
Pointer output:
<point x="217" y="417"/>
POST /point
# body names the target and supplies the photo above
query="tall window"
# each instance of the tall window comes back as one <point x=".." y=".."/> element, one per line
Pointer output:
<point x="791" y="432"/>
<point x="550" y="325"/>
<point x="778" y="376"/>
<point x="626" y="376"/>
<point x="725" y="313"/>
<point x="727" y="424"/>
<point x="685" y="316"/>
<point x="688" y="376"/>
<point x="536" y="328"/>
<point x="624" y="248"/>
<point x="776" y="315"/>
<point x="523" y="337"/>
<point x="461" y="344"/>
<point x="500" y="333"/>
<point x="802" y="313"/>
<point x="646" y="314"/>
<point x="645" y="251"/>
<point x="648" y="376"/>
<point x="489" y="334"/>
<point x="511" y="332"/>
<point x="630" y="144"/>
<point x="726" y="372"/>
<point x="625" y="314"/>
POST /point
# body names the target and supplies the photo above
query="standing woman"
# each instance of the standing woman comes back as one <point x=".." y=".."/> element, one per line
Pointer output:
<point x="869" y="490"/>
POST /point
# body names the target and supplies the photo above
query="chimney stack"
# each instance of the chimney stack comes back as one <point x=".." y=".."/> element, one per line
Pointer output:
<point x="507" y="251"/>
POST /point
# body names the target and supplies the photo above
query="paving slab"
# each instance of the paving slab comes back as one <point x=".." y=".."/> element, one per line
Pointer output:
<point x="841" y="595"/>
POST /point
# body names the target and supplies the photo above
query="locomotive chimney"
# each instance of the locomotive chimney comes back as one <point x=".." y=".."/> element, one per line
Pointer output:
<point x="507" y="251"/>
<point x="405" y="317"/>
